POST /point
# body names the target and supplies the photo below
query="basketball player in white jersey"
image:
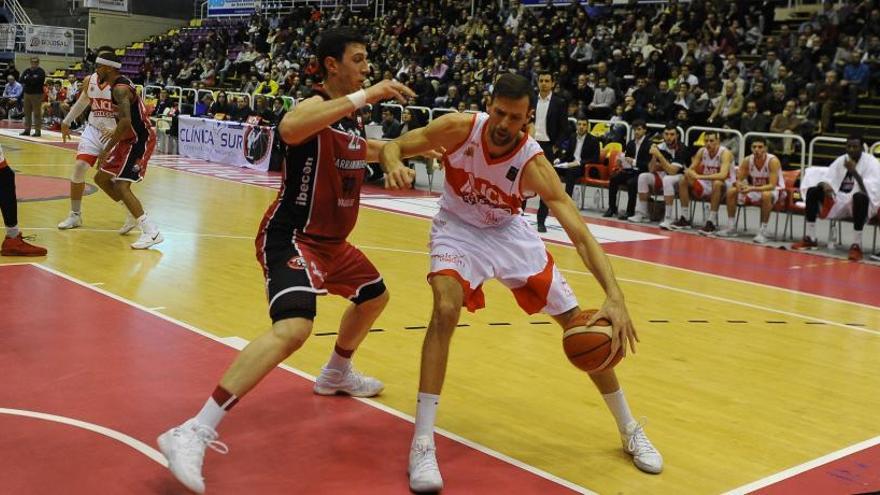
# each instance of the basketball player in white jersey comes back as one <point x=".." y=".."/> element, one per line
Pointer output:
<point x="707" y="177"/>
<point x="491" y="165"/>
<point x="759" y="181"/>
<point x="102" y="121"/>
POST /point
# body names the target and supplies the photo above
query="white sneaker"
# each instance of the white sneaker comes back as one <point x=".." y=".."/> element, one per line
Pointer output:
<point x="184" y="447"/>
<point x="636" y="444"/>
<point x="760" y="238"/>
<point x="73" y="220"/>
<point x="726" y="233"/>
<point x="352" y="382"/>
<point x="130" y="223"/>
<point x="665" y="224"/>
<point x="146" y="240"/>
<point x="639" y="218"/>
<point x="424" y="473"/>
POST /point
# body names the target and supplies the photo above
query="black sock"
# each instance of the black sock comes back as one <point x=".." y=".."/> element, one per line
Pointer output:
<point x="8" y="204"/>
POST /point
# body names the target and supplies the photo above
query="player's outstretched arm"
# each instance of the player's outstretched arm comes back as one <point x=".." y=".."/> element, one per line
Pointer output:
<point x="540" y="177"/>
<point x="313" y="114"/>
<point x="444" y="133"/>
<point x="76" y="110"/>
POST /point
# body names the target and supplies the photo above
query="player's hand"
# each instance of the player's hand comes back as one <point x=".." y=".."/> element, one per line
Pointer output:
<point x="850" y="165"/>
<point x="399" y="177"/>
<point x="436" y="154"/>
<point x="622" y="329"/>
<point x="65" y="132"/>
<point x="106" y="134"/>
<point x="690" y="173"/>
<point x="389" y="89"/>
<point x="99" y="161"/>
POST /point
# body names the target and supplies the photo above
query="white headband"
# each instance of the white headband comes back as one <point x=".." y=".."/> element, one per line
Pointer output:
<point x="108" y="63"/>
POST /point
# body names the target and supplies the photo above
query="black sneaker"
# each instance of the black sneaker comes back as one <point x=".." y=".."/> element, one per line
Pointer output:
<point x="24" y="133"/>
<point x="610" y="212"/>
<point x="681" y="224"/>
<point x="542" y="229"/>
<point x="708" y="229"/>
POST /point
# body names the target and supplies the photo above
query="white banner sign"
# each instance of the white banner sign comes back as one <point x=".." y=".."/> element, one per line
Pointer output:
<point x="231" y="7"/>
<point x="230" y="143"/>
<point x="118" y="5"/>
<point x="48" y="39"/>
<point x="7" y="37"/>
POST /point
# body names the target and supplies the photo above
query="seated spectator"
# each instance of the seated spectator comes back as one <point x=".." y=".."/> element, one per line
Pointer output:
<point x="12" y="95"/>
<point x="276" y="113"/>
<point x="635" y="161"/>
<point x="786" y="122"/>
<point x="577" y="150"/>
<point x="603" y="100"/>
<point x="829" y="95"/>
<point x="203" y="106"/>
<point x="856" y="75"/>
<point x="391" y="127"/>
<point x="261" y="108"/>
<point x="727" y="113"/>
<point x="267" y="88"/>
<point x="163" y="103"/>
<point x="759" y="181"/>
<point x="221" y="106"/>
<point x="752" y="120"/>
<point x="710" y="171"/>
<point x="777" y="100"/>
<point x="241" y="111"/>
<point x="668" y="160"/>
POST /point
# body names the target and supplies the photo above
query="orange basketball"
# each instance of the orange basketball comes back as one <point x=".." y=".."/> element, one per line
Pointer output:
<point x="589" y="347"/>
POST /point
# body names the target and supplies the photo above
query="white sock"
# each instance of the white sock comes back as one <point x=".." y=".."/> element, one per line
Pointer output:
<point x="211" y="414"/>
<point x="686" y="210"/>
<point x="426" y="414"/>
<point x="670" y="210"/>
<point x="619" y="408"/>
<point x="642" y="207"/>
<point x="763" y="228"/>
<point x="12" y="232"/>
<point x="857" y="237"/>
<point x="731" y="223"/>
<point x="811" y="230"/>
<point x="76" y="205"/>
<point x="338" y="362"/>
<point x="714" y="217"/>
<point x="147" y="225"/>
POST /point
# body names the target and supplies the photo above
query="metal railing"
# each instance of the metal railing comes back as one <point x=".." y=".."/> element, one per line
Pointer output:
<point x="775" y="135"/>
<point x="821" y="139"/>
<point x="19" y="15"/>
<point x="283" y="6"/>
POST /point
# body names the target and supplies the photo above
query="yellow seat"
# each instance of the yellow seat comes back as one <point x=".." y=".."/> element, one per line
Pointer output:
<point x="599" y="129"/>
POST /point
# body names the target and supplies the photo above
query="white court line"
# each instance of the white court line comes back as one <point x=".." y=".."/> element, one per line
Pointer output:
<point x="686" y="291"/>
<point x="157" y="308"/>
<point x="788" y="473"/>
<point x="132" y="442"/>
<point x="97" y="283"/>
<point x="476" y="446"/>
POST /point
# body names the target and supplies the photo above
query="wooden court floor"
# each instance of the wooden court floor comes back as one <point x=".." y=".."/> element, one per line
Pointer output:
<point x="737" y="380"/>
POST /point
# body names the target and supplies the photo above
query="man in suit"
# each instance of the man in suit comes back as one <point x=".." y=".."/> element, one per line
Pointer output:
<point x="637" y="156"/>
<point x="576" y="151"/>
<point x="550" y="128"/>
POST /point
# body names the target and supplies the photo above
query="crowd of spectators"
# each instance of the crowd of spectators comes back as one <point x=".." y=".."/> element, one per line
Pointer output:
<point x="668" y="62"/>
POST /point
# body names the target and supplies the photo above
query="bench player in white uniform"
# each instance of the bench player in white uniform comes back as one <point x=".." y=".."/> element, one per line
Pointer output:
<point x="102" y="121"/>
<point x="759" y="182"/>
<point x="710" y="172"/>
<point x="491" y="165"/>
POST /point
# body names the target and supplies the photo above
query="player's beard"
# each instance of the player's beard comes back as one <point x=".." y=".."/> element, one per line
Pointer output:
<point x="500" y="136"/>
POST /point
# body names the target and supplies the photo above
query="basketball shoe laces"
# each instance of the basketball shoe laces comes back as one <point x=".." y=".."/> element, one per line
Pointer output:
<point x="638" y="443"/>
<point x="194" y="444"/>
<point x="424" y="460"/>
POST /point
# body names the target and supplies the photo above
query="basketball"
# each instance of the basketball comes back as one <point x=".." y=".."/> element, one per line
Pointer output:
<point x="589" y="347"/>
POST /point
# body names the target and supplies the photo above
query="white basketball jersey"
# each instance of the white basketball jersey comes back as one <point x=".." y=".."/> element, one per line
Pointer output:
<point x="712" y="164"/>
<point x="761" y="176"/>
<point x="103" y="112"/>
<point x="481" y="190"/>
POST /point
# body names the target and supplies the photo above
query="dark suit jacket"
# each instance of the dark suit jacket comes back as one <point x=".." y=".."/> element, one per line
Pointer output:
<point x="644" y="153"/>
<point x="589" y="151"/>
<point x="557" y="121"/>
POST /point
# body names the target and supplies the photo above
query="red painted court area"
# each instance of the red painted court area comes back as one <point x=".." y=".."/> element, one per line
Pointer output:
<point x="857" y="473"/>
<point x="80" y="354"/>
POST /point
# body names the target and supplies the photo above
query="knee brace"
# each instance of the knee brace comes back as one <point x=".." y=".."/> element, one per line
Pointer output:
<point x="79" y="172"/>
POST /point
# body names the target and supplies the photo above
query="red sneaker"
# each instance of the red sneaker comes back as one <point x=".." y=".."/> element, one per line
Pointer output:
<point x="855" y="253"/>
<point x="807" y="243"/>
<point x="16" y="246"/>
